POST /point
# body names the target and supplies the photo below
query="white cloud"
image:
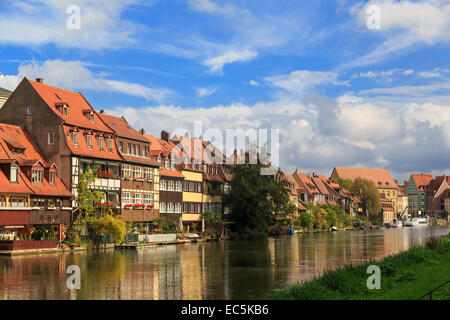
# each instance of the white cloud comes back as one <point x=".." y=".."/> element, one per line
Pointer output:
<point x="205" y="92"/>
<point x="429" y="74"/>
<point x="211" y="7"/>
<point x="297" y="82"/>
<point x="403" y="25"/>
<point x="73" y="75"/>
<point x="45" y="21"/>
<point x="216" y="64"/>
<point x="253" y="83"/>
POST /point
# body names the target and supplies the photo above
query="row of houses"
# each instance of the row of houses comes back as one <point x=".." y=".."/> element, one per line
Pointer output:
<point x="51" y="136"/>
<point x="427" y="195"/>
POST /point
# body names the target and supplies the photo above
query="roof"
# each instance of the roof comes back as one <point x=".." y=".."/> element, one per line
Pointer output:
<point x="320" y="185"/>
<point x="29" y="157"/>
<point x="5" y="92"/>
<point x="304" y="180"/>
<point x="381" y="177"/>
<point x="77" y="106"/>
<point x="421" y="180"/>
<point x="82" y="148"/>
<point x="121" y="127"/>
<point x="170" y="173"/>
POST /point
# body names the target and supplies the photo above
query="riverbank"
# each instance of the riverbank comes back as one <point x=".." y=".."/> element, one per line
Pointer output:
<point x="404" y="276"/>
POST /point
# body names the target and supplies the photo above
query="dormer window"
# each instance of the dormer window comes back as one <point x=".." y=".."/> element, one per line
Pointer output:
<point x="37" y="176"/>
<point x="91" y="117"/>
<point x="13" y="177"/>
<point x="100" y="143"/>
<point x="109" y="144"/>
<point x="64" y="110"/>
<point x="75" y="138"/>
<point x="158" y="159"/>
<point x="29" y="110"/>
<point x="166" y="163"/>
<point x="52" y="177"/>
<point x="89" y="141"/>
<point x="18" y="151"/>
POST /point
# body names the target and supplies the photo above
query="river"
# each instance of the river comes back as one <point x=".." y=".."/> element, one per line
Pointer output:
<point x="213" y="270"/>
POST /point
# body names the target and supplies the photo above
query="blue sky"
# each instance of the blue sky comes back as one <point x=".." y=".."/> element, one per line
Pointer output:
<point x="340" y="93"/>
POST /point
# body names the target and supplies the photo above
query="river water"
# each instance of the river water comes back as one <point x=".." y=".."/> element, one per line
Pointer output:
<point x="213" y="270"/>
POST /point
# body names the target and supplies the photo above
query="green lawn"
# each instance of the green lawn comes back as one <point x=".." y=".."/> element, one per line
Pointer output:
<point x="407" y="275"/>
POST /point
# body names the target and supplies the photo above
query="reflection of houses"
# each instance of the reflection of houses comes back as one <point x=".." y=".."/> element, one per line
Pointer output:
<point x="387" y="210"/>
<point x="416" y="192"/>
<point x="382" y="179"/>
<point x="31" y="194"/>
<point x="69" y="132"/>
<point x="171" y="180"/>
<point x="140" y="173"/>
<point x="4" y="95"/>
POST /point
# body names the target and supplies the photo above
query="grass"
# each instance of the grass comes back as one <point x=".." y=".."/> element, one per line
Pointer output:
<point x="404" y="276"/>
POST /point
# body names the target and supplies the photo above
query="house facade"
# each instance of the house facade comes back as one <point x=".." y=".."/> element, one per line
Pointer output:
<point x="31" y="194"/>
<point x="69" y="132"/>
<point x="171" y="179"/>
<point x="382" y="179"/>
<point x="139" y="172"/>
<point x="417" y="193"/>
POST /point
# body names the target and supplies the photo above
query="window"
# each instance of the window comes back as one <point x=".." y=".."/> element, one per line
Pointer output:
<point x="179" y="186"/>
<point x="162" y="207"/>
<point x="126" y="171"/>
<point x="137" y="172"/>
<point x="171" y="185"/>
<point x="172" y="164"/>
<point x="14" y="173"/>
<point x="185" y="207"/>
<point x="163" y="185"/>
<point x="199" y="187"/>
<point x="170" y="208"/>
<point x="52" y="178"/>
<point x="138" y="150"/>
<point x="177" y="207"/>
<point x="192" y="208"/>
<point x="29" y="110"/>
<point x="166" y="163"/>
<point x="37" y="176"/>
<point x="100" y="143"/>
<point x="120" y="146"/>
<point x="17" y="202"/>
<point x="159" y="159"/>
<point x="148" y="173"/>
<point x="129" y="148"/>
<point x="75" y="138"/>
<point x="137" y="198"/>
<point x="191" y="186"/>
<point x="51" y="137"/>
<point x="109" y="144"/>
<point x="126" y="198"/>
<point x="148" y="198"/>
<point x="91" y="117"/>
<point x="89" y="141"/>
<point x="65" y="110"/>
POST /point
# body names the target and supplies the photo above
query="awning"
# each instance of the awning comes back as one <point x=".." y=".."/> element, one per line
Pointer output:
<point x="100" y="162"/>
<point x="86" y="160"/>
<point x="113" y="164"/>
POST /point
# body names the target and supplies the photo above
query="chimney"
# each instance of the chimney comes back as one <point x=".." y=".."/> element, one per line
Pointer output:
<point x="40" y="80"/>
<point x="102" y="111"/>
<point x="142" y="131"/>
<point x="165" y="136"/>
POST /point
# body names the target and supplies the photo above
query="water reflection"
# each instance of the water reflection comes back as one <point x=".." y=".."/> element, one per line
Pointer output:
<point x="221" y="270"/>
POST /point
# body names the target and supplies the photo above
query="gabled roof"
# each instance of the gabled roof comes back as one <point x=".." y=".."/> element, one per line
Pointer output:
<point x="77" y="104"/>
<point x="121" y="127"/>
<point x="170" y="173"/>
<point x="320" y="185"/>
<point x="381" y="177"/>
<point x="421" y="180"/>
<point x="305" y="181"/>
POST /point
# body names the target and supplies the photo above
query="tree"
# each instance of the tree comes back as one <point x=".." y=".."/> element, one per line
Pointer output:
<point x="344" y="183"/>
<point x="369" y="195"/>
<point x="254" y="201"/>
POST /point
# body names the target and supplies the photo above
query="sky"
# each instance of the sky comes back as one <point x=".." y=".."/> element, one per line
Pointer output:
<point x="346" y="83"/>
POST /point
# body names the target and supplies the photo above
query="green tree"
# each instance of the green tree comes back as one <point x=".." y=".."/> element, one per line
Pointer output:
<point x="254" y="200"/>
<point x="369" y="195"/>
<point x="344" y="183"/>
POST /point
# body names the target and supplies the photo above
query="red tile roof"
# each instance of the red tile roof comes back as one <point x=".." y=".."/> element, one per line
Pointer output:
<point x="304" y="181"/>
<point x="121" y="127"/>
<point x="376" y="175"/>
<point x="421" y="180"/>
<point x="77" y="106"/>
<point x="82" y="148"/>
<point x="170" y="173"/>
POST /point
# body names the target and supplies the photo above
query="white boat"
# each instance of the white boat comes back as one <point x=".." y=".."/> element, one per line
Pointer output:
<point x="396" y="224"/>
<point x="415" y="222"/>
